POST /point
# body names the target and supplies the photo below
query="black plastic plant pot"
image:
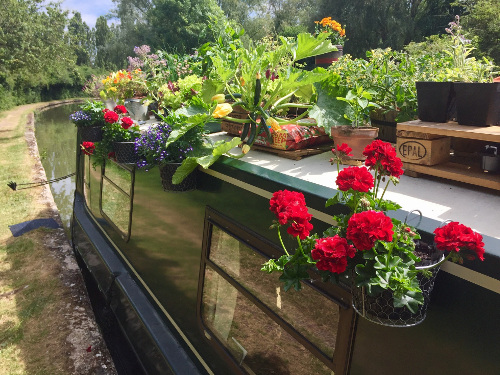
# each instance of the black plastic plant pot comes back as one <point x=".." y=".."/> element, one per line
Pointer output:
<point x="478" y="104"/>
<point x="91" y="133"/>
<point x="435" y="101"/>
<point x="125" y="152"/>
<point x="326" y="59"/>
<point x="166" y="173"/>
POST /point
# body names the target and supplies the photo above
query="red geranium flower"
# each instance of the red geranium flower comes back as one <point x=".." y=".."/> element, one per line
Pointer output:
<point x="356" y="178"/>
<point x="88" y="148"/>
<point x="111" y="117"/>
<point x="120" y="109"/>
<point x="331" y="254"/>
<point x="382" y="156"/>
<point x="344" y="149"/>
<point x="365" y="228"/>
<point x="455" y="237"/>
<point x="112" y="155"/>
<point x="290" y="208"/>
<point x="127" y="122"/>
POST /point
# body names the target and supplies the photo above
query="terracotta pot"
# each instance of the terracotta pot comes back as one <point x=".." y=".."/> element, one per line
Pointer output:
<point x="356" y="138"/>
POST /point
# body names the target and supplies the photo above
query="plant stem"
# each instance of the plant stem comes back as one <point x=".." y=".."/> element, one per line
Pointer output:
<point x="281" y="240"/>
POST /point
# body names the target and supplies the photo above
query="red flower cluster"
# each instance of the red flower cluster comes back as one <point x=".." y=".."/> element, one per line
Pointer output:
<point x="365" y="228"/>
<point x="127" y="122"/>
<point x="382" y="156"/>
<point x="290" y="208"/>
<point x="343" y="150"/>
<point x="120" y="109"/>
<point x="88" y="148"/>
<point x="356" y="178"/>
<point x="111" y="117"/>
<point x="455" y="237"/>
<point x="331" y="254"/>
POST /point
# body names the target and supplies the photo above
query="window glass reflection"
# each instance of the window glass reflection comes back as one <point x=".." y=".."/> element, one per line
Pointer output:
<point x="257" y="343"/>
<point x="309" y="312"/>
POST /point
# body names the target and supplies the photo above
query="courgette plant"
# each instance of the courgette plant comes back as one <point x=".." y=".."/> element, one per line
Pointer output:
<point x="266" y="80"/>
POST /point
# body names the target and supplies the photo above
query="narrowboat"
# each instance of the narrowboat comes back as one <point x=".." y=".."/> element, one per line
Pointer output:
<point x="181" y="273"/>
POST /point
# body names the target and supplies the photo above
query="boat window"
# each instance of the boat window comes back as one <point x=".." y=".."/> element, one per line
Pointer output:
<point x="265" y="329"/>
<point x="117" y="190"/>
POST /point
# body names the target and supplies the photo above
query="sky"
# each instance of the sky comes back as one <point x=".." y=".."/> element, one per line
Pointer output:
<point x="89" y="9"/>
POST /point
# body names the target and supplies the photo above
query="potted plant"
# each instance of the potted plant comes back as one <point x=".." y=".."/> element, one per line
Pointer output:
<point x="118" y="138"/>
<point x="478" y="97"/>
<point x="464" y="87"/>
<point x="263" y="80"/>
<point x="348" y="117"/>
<point x="336" y="34"/>
<point x="154" y="149"/>
<point x="127" y="87"/>
<point x="89" y="121"/>
<point x="366" y="248"/>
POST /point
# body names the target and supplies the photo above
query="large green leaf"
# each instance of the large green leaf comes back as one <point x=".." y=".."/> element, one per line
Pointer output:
<point x="328" y="111"/>
<point x="308" y="45"/>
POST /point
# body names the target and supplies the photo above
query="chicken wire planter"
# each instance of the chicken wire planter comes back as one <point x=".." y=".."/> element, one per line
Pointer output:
<point x="125" y="152"/>
<point x="166" y="173"/>
<point x="91" y="133"/>
<point x="380" y="309"/>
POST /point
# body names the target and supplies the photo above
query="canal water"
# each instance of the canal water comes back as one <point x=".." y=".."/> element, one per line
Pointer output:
<point x="56" y="139"/>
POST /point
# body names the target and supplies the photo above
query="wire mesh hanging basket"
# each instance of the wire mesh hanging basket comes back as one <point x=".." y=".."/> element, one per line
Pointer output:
<point x="166" y="173"/>
<point x="125" y="152"/>
<point x="380" y="309"/>
<point x="91" y="133"/>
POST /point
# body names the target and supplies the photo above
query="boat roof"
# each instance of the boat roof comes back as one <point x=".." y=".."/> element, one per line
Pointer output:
<point x="438" y="199"/>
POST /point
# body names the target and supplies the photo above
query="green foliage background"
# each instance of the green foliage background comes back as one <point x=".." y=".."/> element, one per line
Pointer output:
<point x="47" y="53"/>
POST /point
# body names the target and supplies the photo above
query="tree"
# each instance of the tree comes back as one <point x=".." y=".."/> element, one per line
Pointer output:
<point x="102" y="37"/>
<point x="80" y="39"/>
<point x="483" y="21"/>
<point x="182" y="25"/>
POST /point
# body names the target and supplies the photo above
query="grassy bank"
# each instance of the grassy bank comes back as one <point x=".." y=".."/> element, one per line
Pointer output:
<point x="38" y="296"/>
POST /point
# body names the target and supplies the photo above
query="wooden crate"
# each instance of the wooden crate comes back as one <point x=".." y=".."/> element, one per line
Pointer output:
<point x="230" y="127"/>
<point x="423" y="151"/>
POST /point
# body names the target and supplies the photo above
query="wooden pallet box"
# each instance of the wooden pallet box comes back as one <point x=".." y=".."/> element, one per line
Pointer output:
<point x="423" y="151"/>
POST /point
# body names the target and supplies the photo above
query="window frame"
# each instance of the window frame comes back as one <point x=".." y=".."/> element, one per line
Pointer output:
<point x="338" y="294"/>
<point x="130" y="194"/>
